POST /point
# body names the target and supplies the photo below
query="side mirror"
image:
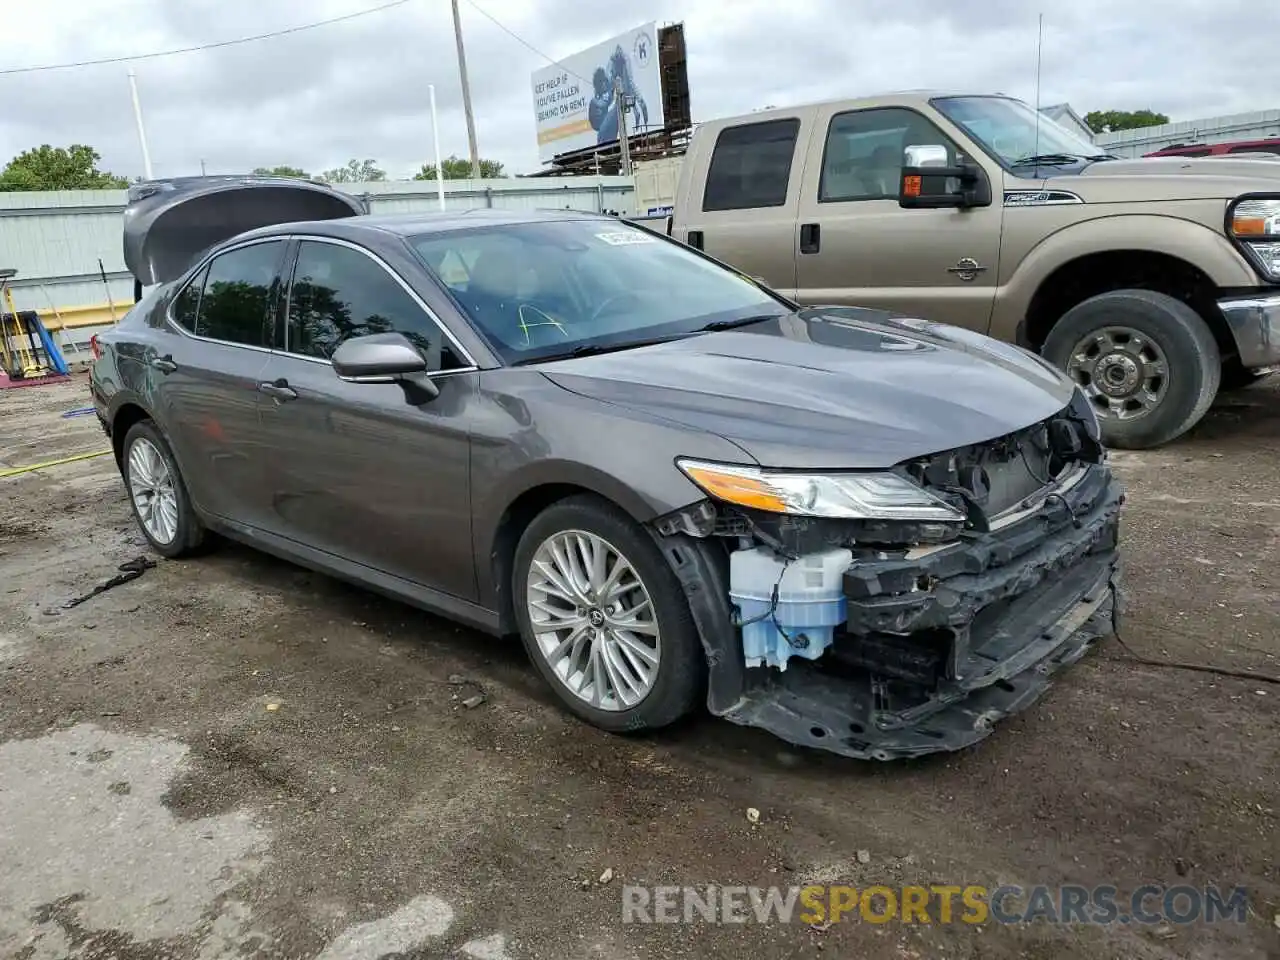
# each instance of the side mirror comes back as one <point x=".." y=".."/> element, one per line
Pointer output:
<point x="932" y="188"/>
<point x="385" y="358"/>
<point x="925" y="155"/>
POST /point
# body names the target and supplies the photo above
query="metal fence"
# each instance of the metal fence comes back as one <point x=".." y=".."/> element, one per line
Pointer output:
<point x="56" y="240"/>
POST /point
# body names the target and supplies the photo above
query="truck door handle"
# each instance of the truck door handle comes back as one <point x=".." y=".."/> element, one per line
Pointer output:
<point x="695" y="239"/>
<point x="278" y="389"/>
<point x="810" y="237"/>
<point x="164" y="364"/>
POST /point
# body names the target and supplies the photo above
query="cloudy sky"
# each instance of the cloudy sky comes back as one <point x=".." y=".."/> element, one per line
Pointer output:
<point x="358" y="88"/>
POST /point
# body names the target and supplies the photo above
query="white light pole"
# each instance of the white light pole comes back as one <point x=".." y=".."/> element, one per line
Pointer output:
<point x="435" y="135"/>
<point x="142" y="133"/>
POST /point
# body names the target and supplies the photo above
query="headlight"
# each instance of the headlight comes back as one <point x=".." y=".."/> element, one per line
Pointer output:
<point x="849" y="496"/>
<point x="1255" y="223"/>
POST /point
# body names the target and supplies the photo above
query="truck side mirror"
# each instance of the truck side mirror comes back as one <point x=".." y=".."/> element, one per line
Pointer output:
<point x="932" y="188"/>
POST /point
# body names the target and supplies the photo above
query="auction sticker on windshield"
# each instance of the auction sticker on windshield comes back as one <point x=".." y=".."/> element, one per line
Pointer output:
<point x="623" y="239"/>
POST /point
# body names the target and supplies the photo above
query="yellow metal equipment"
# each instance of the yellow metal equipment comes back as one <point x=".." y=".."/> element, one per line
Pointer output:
<point x="19" y="357"/>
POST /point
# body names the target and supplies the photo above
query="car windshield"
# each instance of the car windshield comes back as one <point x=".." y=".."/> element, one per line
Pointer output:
<point x="1014" y="131"/>
<point x="554" y="288"/>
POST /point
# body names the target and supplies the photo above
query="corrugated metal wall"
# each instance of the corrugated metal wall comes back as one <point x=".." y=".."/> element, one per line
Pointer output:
<point x="1239" y="126"/>
<point x="55" y="239"/>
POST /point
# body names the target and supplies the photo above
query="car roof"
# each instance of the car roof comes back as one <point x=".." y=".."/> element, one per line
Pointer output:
<point x="416" y="224"/>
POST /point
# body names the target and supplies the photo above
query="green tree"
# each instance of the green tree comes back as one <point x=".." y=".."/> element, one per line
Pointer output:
<point x="58" y="168"/>
<point x="355" y="171"/>
<point x="295" y="172"/>
<point x="456" y="168"/>
<point x="1109" y="121"/>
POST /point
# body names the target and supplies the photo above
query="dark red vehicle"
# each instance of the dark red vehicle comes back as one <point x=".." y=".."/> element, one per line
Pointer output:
<point x="1269" y="145"/>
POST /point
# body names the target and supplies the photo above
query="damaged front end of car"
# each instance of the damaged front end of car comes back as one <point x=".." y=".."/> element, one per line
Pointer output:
<point x="901" y="613"/>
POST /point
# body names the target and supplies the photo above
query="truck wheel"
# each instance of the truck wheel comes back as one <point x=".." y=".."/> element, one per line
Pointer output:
<point x="1146" y="360"/>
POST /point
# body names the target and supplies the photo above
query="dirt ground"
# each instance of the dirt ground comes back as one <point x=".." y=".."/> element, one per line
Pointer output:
<point x="232" y="757"/>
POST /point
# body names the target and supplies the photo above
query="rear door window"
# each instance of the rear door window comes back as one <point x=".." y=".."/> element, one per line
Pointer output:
<point x="186" y="305"/>
<point x="239" y="289"/>
<point x="751" y="166"/>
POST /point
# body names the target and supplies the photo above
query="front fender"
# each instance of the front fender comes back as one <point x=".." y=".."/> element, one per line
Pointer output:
<point x="1206" y="249"/>
<point x="535" y="441"/>
<point x="507" y="508"/>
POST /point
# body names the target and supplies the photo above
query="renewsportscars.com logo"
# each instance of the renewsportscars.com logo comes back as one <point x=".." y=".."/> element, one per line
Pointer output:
<point x="938" y="904"/>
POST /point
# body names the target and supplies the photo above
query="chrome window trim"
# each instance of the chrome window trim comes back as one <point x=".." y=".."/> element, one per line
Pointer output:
<point x="168" y="310"/>
<point x="322" y="361"/>
<point x="285" y="238"/>
<point x="338" y="242"/>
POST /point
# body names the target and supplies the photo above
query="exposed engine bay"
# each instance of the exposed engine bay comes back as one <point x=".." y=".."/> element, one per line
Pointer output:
<point x="894" y="638"/>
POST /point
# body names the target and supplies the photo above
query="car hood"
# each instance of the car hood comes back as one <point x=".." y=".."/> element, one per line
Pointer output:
<point x="837" y="388"/>
<point x="1170" y="178"/>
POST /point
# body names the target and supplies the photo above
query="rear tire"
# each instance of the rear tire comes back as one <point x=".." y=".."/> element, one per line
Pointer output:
<point x="1147" y="360"/>
<point x="617" y="679"/>
<point x="158" y="495"/>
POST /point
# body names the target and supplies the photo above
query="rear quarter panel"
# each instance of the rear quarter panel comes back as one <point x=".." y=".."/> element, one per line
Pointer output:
<point x="118" y="377"/>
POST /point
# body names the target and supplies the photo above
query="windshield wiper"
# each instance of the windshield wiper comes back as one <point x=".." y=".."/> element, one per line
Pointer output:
<point x="593" y="349"/>
<point x="741" y="321"/>
<point x="1060" y="159"/>
<point x="1050" y="159"/>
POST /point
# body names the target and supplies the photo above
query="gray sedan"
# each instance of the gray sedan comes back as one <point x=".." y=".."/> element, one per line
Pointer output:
<point x="869" y="534"/>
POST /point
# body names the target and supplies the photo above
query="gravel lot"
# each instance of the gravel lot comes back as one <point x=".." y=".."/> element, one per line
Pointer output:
<point x="232" y="757"/>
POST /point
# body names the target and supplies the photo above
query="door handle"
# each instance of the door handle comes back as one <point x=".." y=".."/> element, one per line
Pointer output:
<point x="810" y="237"/>
<point x="278" y="389"/>
<point x="695" y="239"/>
<point x="164" y="364"/>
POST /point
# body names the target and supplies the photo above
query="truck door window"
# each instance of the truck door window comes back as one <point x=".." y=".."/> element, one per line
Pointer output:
<point x="751" y="166"/>
<point x="866" y="150"/>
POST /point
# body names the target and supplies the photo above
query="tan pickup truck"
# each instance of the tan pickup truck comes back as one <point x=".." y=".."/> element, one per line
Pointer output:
<point x="1154" y="282"/>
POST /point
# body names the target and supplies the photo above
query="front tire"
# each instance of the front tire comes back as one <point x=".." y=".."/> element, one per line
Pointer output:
<point x="1146" y="360"/>
<point x="604" y="618"/>
<point x="158" y="494"/>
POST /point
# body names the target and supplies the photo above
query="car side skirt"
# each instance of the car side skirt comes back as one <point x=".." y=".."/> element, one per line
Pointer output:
<point x="389" y="585"/>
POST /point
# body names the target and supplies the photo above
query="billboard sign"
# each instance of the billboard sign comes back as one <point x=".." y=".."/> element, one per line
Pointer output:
<point x="574" y="101"/>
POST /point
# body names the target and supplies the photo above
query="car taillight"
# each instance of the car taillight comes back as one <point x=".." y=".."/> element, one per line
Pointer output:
<point x="93" y="345"/>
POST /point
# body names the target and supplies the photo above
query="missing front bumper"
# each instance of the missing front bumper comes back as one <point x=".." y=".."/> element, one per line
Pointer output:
<point x="870" y="716"/>
<point x="1018" y="606"/>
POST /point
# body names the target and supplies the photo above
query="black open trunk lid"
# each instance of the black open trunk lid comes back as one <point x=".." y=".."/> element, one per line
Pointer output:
<point x="169" y="223"/>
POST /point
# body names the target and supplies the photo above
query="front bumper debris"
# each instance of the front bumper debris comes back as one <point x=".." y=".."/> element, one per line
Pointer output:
<point x="1254" y="323"/>
<point x="938" y="646"/>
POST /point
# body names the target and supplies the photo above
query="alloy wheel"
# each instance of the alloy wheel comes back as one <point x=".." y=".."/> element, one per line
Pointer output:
<point x="152" y="489"/>
<point x="593" y="620"/>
